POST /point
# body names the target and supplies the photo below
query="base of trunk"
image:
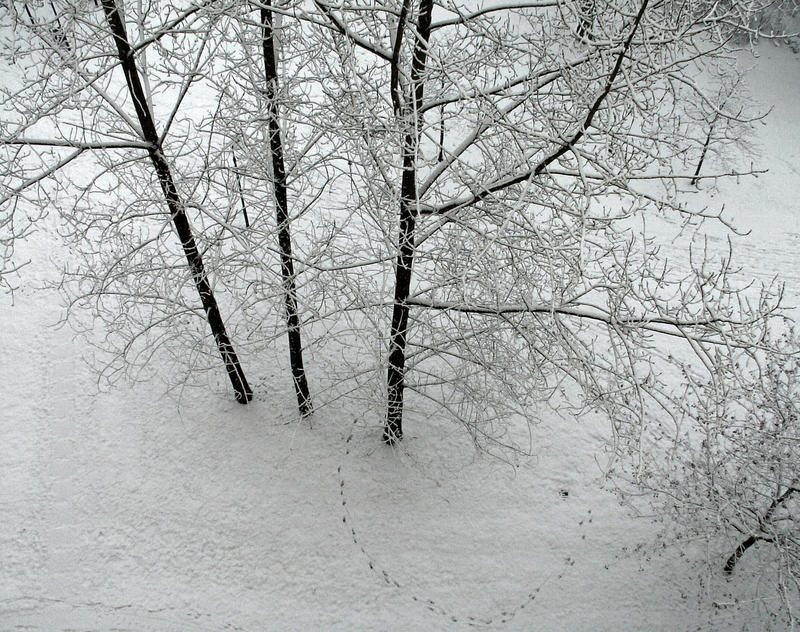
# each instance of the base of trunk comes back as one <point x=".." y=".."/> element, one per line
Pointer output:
<point x="392" y="434"/>
<point x="244" y="397"/>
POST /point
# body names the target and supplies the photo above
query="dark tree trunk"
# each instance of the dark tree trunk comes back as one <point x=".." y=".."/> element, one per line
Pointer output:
<point x="702" y="156"/>
<point x="241" y="191"/>
<point x="750" y="540"/>
<point x="282" y="215"/>
<point x="440" y="157"/>
<point x="179" y="219"/>
<point x="393" y="430"/>
<point x="730" y="564"/>
<point x="398" y="338"/>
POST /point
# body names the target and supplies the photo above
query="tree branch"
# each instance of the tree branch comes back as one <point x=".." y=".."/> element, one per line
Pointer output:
<point x="749" y="541"/>
<point x="49" y="142"/>
<point x="190" y="79"/>
<point x="45" y="174"/>
<point x="511" y="180"/>
<point x="394" y="65"/>
<point x="657" y="324"/>
<point x="344" y="30"/>
<point x="551" y="75"/>
<point x="505" y="6"/>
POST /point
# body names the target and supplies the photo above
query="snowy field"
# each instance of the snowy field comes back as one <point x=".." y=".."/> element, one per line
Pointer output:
<point x="132" y="510"/>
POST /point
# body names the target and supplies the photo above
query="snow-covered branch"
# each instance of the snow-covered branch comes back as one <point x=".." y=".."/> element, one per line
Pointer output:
<point x="341" y="26"/>
<point x="513" y="179"/>
<point x="466" y="18"/>
<point x="656" y="324"/>
<point x="76" y="144"/>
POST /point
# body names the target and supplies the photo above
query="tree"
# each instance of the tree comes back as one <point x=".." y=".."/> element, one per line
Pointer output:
<point x="492" y="178"/>
<point x="176" y="207"/>
<point x="522" y="266"/>
<point x="407" y="105"/>
<point x="725" y="467"/>
<point x="73" y="81"/>
<point x="529" y="270"/>
<point x="258" y="128"/>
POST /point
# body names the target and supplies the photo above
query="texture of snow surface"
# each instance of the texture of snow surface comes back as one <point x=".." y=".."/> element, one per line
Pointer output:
<point x="132" y="510"/>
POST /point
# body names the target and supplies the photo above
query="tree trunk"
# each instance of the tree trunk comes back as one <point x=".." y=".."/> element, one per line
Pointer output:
<point x="730" y="564"/>
<point x="282" y="215"/>
<point x="393" y="430"/>
<point x="239" y="188"/>
<point x="398" y="338"/>
<point x="750" y="540"/>
<point x="696" y="176"/>
<point x="179" y="219"/>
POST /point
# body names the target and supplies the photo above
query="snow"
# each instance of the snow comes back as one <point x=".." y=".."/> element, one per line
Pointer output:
<point x="768" y="208"/>
<point x="135" y="510"/>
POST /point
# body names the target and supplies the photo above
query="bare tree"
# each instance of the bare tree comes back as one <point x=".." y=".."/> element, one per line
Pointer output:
<point x="72" y="98"/>
<point x="407" y="105"/>
<point x="723" y="468"/>
<point x="507" y="265"/>
<point x="259" y="125"/>
<point x="527" y="269"/>
<point x="176" y="207"/>
<point x="516" y="262"/>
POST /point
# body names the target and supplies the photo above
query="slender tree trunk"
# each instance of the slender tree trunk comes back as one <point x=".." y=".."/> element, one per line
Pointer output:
<point x="440" y="156"/>
<point x="393" y="430"/>
<point x="176" y="208"/>
<point x="282" y="215"/>
<point x="703" y="155"/>
<point x="241" y="191"/>
<point x="398" y="338"/>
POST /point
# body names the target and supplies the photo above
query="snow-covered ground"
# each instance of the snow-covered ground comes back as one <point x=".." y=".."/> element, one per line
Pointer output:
<point x="135" y="510"/>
